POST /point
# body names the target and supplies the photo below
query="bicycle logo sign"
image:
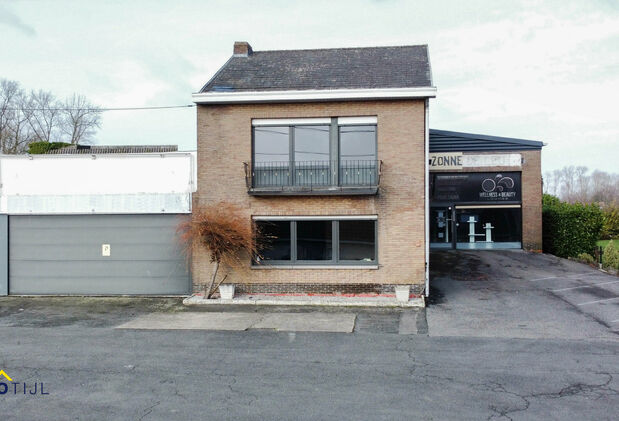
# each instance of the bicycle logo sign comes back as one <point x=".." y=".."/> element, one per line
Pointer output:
<point x="497" y="187"/>
<point x="498" y="184"/>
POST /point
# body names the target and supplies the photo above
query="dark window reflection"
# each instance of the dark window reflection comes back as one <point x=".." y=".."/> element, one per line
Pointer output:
<point x="311" y="143"/>
<point x="276" y="239"/>
<point x="271" y="156"/>
<point x="357" y="240"/>
<point x="358" y="156"/>
<point x="311" y="156"/>
<point x="271" y="144"/>
<point x="357" y="143"/>
<point x="506" y="225"/>
<point x="314" y="240"/>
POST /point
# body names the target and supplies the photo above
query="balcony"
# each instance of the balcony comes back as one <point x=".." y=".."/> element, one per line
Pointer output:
<point x="313" y="178"/>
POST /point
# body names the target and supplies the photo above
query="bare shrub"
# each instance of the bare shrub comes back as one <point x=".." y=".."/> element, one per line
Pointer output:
<point x="225" y="233"/>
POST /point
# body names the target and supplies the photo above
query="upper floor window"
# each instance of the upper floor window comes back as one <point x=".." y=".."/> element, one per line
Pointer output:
<point x="315" y="152"/>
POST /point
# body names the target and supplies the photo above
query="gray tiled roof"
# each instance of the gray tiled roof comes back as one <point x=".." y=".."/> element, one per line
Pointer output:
<point x="106" y="149"/>
<point x="339" y="68"/>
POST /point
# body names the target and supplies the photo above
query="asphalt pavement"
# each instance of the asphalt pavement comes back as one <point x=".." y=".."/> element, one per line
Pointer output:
<point x="102" y="373"/>
<point x="516" y="294"/>
<point x="507" y="336"/>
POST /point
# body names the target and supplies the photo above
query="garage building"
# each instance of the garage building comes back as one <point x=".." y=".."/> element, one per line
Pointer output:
<point x="95" y="221"/>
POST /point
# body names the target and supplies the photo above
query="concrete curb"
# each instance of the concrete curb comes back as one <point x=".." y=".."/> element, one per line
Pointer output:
<point x="307" y="301"/>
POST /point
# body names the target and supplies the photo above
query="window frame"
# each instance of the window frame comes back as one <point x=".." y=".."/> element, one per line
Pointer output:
<point x="335" y="159"/>
<point x="335" y="239"/>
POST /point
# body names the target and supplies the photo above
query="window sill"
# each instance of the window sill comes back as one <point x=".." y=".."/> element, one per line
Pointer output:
<point x="356" y="267"/>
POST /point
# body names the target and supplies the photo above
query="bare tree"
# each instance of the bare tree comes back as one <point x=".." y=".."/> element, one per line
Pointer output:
<point x="21" y="130"/>
<point x="582" y="183"/>
<point x="550" y="183"/>
<point x="567" y="180"/>
<point x="8" y="91"/>
<point x="39" y="117"/>
<point x="604" y="187"/>
<point x="80" y="119"/>
<point x="575" y="184"/>
<point x="45" y="117"/>
<point x="15" y="112"/>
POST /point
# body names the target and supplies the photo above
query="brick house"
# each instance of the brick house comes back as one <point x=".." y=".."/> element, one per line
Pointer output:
<point x="328" y="152"/>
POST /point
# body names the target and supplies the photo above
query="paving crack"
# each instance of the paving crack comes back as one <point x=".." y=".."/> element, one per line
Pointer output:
<point x="258" y="321"/>
<point x="148" y="410"/>
<point x="598" y="390"/>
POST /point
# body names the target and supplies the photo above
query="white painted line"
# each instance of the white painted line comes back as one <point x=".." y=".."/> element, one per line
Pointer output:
<point x="541" y="279"/>
<point x="566" y="276"/>
<point x="597" y="301"/>
<point x="615" y="321"/>
<point x="584" y="286"/>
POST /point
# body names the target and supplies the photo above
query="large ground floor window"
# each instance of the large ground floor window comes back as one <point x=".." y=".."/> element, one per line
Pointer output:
<point x="488" y="228"/>
<point x="323" y="241"/>
<point x="476" y="227"/>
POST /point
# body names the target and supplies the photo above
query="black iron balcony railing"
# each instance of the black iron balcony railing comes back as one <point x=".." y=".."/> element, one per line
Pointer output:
<point x="349" y="176"/>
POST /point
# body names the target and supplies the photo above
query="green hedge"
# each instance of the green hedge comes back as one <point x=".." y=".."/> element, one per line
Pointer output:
<point x="610" y="230"/>
<point x="570" y="229"/>
<point x="610" y="257"/>
<point x="37" y="148"/>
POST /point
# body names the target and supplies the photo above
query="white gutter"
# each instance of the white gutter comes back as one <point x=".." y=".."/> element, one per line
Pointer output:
<point x="312" y="95"/>
<point x="426" y="195"/>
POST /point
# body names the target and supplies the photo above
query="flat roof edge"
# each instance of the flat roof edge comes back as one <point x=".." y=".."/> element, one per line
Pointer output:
<point x="511" y="140"/>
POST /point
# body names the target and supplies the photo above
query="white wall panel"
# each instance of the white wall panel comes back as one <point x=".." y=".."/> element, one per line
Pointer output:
<point x="123" y="183"/>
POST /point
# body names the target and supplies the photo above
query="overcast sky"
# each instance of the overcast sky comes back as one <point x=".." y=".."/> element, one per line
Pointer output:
<point x="541" y="70"/>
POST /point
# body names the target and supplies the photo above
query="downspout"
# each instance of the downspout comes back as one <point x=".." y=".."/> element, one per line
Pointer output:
<point x="426" y="196"/>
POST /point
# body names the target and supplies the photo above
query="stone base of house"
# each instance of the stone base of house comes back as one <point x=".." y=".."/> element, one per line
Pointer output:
<point x="331" y="300"/>
<point x="323" y="288"/>
<point x="319" y="288"/>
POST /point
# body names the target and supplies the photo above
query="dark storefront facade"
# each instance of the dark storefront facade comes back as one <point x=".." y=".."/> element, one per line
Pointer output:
<point x="477" y="194"/>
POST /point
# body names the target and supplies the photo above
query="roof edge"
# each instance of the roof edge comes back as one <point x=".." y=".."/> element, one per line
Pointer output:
<point x="313" y="95"/>
<point x="344" y="48"/>
<point x="515" y="141"/>
<point x="203" y="89"/>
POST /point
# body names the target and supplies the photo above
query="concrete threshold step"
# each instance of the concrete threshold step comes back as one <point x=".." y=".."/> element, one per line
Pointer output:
<point x="308" y="300"/>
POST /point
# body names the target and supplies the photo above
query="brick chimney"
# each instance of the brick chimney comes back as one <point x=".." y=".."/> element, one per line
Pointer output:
<point x="242" y="48"/>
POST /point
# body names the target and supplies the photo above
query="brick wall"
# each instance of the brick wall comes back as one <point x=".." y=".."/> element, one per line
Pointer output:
<point x="532" y="200"/>
<point x="224" y="143"/>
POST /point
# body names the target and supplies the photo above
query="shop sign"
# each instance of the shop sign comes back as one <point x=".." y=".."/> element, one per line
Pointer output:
<point x="456" y="160"/>
<point x="445" y="160"/>
<point x="476" y="187"/>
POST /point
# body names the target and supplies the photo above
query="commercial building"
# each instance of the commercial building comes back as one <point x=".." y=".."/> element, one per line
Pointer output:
<point x="485" y="192"/>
